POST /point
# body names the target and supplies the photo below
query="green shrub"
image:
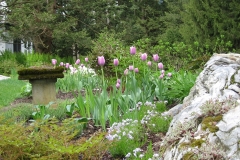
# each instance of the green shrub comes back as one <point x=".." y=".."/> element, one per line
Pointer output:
<point x="6" y="67"/>
<point x="48" y="140"/>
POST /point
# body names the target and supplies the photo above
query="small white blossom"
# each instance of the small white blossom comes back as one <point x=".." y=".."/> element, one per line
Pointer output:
<point x="128" y="155"/>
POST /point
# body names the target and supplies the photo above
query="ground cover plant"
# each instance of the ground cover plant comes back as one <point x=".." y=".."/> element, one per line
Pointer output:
<point x="101" y="118"/>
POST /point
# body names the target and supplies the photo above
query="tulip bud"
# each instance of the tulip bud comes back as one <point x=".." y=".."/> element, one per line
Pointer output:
<point x="61" y="64"/>
<point x="126" y="72"/>
<point x="86" y="59"/>
<point x="136" y="70"/>
<point x="169" y="74"/>
<point x="115" y="62"/>
<point x="54" y="62"/>
<point x="67" y="65"/>
<point x="131" y="68"/>
<point x="101" y="60"/>
<point x="119" y="81"/>
<point x="160" y="65"/>
<point x="144" y="56"/>
<point x="149" y="63"/>
<point x="132" y="50"/>
<point x="117" y="85"/>
<point x="155" y="57"/>
<point x="77" y="61"/>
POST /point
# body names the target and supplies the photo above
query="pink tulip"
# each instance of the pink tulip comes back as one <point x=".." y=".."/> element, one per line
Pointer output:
<point x="119" y="81"/>
<point x="155" y="57"/>
<point x="131" y="68"/>
<point x="160" y="65"/>
<point x="163" y="71"/>
<point x="61" y="64"/>
<point x="144" y="56"/>
<point x="132" y="50"/>
<point x="67" y="65"/>
<point x="126" y="72"/>
<point x="149" y="63"/>
<point x="161" y="76"/>
<point x="169" y="74"/>
<point x="86" y="59"/>
<point x="136" y="70"/>
<point x="117" y="85"/>
<point x="77" y="62"/>
<point x="115" y="62"/>
<point x="54" y="62"/>
<point x="101" y="60"/>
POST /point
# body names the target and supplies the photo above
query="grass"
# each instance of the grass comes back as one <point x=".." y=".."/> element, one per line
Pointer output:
<point x="10" y="90"/>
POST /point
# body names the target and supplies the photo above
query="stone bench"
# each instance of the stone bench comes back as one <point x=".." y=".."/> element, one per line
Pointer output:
<point x="43" y="81"/>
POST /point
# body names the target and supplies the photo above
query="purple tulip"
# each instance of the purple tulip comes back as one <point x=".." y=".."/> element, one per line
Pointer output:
<point x="115" y="62"/>
<point x="161" y="76"/>
<point x="86" y="59"/>
<point x="169" y="74"/>
<point x="101" y="60"/>
<point x="117" y="85"/>
<point x="61" y="64"/>
<point x="132" y="50"/>
<point x="155" y="57"/>
<point x="126" y="72"/>
<point x="149" y="63"/>
<point x="77" y="62"/>
<point x="144" y="56"/>
<point x="54" y="62"/>
<point x="119" y="81"/>
<point x="131" y="68"/>
<point x="67" y="65"/>
<point x="136" y="70"/>
<point x="160" y="65"/>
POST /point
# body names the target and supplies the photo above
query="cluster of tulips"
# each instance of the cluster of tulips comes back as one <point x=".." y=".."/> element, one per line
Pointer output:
<point x="101" y="62"/>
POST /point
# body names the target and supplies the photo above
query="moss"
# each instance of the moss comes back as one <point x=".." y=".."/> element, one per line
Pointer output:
<point x="197" y="143"/>
<point x="189" y="156"/>
<point x="44" y="72"/>
<point x="210" y="123"/>
<point x="193" y="143"/>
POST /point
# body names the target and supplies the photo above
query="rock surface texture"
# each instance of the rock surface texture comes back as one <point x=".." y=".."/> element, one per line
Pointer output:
<point x="207" y="124"/>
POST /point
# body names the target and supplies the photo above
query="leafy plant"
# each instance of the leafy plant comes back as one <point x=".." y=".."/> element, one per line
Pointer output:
<point x="26" y="90"/>
<point x="41" y="111"/>
<point x="179" y="85"/>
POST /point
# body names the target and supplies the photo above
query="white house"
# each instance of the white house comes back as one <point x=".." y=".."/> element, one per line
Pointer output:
<point x="15" y="45"/>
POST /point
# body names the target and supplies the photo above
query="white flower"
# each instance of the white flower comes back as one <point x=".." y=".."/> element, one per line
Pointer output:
<point x="156" y="155"/>
<point x="141" y="156"/>
<point x="130" y="136"/>
<point x="128" y="155"/>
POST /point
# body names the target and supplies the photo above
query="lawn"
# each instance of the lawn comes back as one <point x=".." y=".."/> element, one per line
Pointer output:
<point x="10" y="90"/>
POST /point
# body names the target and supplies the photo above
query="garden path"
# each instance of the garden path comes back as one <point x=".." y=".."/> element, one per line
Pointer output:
<point x="3" y="77"/>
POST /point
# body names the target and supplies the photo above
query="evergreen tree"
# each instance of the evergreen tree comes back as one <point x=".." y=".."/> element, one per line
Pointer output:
<point x="206" y="20"/>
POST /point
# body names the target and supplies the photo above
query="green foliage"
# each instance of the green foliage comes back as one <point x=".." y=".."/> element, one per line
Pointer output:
<point x="84" y="77"/>
<point x="40" y="113"/>
<point x="110" y="47"/>
<point x="202" y="15"/>
<point x="47" y="140"/>
<point x="26" y="90"/>
<point x="124" y="145"/>
<point x="159" y="124"/>
<point x="6" y="67"/>
<point x="179" y="85"/>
